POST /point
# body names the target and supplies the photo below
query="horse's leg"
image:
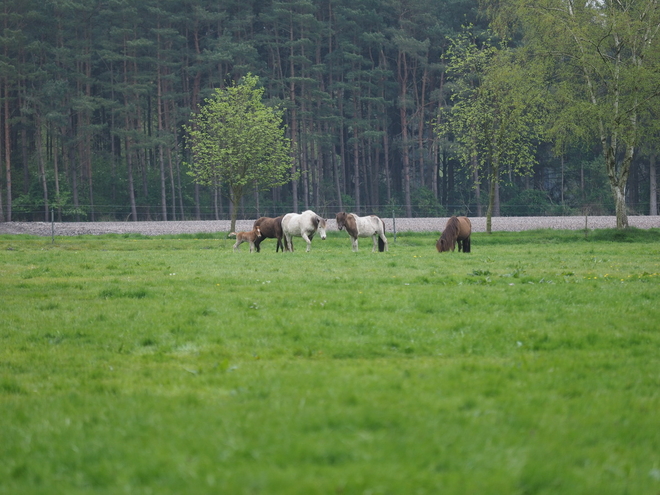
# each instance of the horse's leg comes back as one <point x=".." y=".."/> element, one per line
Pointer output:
<point x="382" y="237"/>
<point x="289" y="243"/>
<point x="466" y="245"/>
<point x="460" y="245"/>
<point x="375" y="239"/>
<point x="354" y="243"/>
<point x="307" y="240"/>
<point x="252" y="246"/>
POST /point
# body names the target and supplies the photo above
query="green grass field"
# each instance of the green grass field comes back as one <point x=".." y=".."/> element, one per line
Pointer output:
<point x="169" y="365"/>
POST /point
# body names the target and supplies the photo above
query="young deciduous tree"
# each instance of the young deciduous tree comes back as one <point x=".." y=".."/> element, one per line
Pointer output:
<point x="606" y="55"/>
<point x="498" y="111"/>
<point x="236" y="140"/>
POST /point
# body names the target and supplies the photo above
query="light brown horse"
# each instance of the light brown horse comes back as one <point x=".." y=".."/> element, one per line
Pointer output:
<point x="458" y="229"/>
<point x="270" y="228"/>
<point x="249" y="237"/>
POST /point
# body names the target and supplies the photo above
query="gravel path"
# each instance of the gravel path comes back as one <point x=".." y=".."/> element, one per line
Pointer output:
<point x="402" y="225"/>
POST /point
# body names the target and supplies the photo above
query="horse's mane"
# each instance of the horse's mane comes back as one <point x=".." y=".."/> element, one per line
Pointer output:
<point x="449" y="235"/>
<point x="349" y="223"/>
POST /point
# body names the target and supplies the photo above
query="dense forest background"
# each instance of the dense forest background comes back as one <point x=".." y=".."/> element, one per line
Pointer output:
<point x="94" y="95"/>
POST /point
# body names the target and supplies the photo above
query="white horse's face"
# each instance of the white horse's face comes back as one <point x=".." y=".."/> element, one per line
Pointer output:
<point x="321" y="228"/>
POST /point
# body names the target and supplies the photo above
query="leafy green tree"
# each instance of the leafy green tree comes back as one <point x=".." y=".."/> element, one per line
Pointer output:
<point x="497" y="115"/>
<point x="237" y="140"/>
<point x="606" y="56"/>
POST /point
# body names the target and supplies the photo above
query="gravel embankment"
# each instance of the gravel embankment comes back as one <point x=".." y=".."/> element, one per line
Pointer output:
<point x="513" y="224"/>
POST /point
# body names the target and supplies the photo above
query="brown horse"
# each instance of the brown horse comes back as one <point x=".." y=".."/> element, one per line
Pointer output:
<point x="270" y="228"/>
<point x="458" y="229"/>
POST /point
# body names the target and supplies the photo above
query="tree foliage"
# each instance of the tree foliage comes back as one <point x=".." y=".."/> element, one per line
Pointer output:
<point x="237" y="140"/>
<point x="606" y="69"/>
<point x="94" y="96"/>
<point x="498" y="112"/>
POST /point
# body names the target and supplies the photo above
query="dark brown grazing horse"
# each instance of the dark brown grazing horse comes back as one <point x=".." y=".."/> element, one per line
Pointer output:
<point x="458" y="229"/>
<point x="270" y="228"/>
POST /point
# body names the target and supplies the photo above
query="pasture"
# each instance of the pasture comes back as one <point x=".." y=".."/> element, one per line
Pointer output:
<point x="134" y="364"/>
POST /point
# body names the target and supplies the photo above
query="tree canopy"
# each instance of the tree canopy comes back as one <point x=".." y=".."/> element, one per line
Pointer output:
<point x="606" y="57"/>
<point x="94" y="98"/>
<point x="237" y="140"/>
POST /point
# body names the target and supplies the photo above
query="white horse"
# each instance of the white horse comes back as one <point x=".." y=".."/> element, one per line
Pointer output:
<point x="305" y="225"/>
<point x="371" y="226"/>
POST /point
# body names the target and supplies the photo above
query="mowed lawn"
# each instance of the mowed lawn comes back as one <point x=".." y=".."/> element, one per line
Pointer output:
<point x="169" y="365"/>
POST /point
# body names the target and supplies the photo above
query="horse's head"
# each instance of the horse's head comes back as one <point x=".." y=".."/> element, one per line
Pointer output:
<point x="258" y="232"/>
<point x="341" y="219"/>
<point x="321" y="226"/>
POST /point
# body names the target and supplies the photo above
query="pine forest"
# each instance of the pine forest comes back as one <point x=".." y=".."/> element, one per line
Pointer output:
<point x="95" y="96"/>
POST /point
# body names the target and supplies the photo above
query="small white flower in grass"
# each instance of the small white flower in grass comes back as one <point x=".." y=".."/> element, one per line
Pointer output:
<point x="519" y="344"/>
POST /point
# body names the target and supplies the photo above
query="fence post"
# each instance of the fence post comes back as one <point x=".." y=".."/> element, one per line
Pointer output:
<point x="394" y="224"/>
<point x="52" y="226"/>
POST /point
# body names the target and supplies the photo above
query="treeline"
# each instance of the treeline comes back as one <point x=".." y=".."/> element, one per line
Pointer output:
<point x="94" y="95"/>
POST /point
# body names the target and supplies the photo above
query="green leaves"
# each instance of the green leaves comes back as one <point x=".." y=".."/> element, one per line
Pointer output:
<point x="237" y="140"/>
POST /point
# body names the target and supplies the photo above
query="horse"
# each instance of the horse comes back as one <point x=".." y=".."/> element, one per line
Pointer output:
<point x="271" y="228"/>
<point x="249" y="237"/>
<point x="458" y="229"/>
<point x="305" y="225"/>
<point x="371" y="226"/>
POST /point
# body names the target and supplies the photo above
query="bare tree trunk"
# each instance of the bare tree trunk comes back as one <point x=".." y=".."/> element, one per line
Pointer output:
<point x="618" y="182"/>
<point x="653" y="210"/>
<point x="388" y="172"/>
<point x="477" y="185"/>
<point x="403" y="115"/>
<point x="356" y="170"/>
<point x="494" y="180"/>
<point x="131" y="186"/>
<point x="335" y="168"/>
<point x="56" y="171"/>
<point x="7" y="151"/>
<point x="41" y="165"/>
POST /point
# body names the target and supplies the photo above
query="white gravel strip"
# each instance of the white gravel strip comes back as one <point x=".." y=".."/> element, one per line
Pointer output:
<point x="511" y="224"/>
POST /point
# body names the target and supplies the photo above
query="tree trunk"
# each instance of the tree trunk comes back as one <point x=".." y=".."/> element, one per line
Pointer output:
<point x="7" y="151"/>
<point x="477" y="185"/>
<point x="356" y="170"/>
<point x="491" y="198"/>
<point x="41" y="165"/>
<point x="618" y="182"/>
<point x="129" y="171"/>
<point x="653" y="210"/>
<point x="402" y="68"/>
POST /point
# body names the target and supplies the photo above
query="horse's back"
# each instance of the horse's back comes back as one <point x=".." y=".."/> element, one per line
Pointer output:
<point x="465" y="227"/>
<point x="369" y="225"/>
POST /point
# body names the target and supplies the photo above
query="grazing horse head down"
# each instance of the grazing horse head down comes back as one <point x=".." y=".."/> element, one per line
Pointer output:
<point x="458" y="229"/>
<point x="304" y="225"/>
<point x="271" y="228"/>
<point x="369" y="226"/>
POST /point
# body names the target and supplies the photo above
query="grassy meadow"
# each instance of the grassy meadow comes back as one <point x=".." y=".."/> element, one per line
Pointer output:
<point x="169" y="365"/>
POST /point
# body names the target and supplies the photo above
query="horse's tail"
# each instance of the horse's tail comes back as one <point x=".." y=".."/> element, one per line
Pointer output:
<point x="381" y="242"/>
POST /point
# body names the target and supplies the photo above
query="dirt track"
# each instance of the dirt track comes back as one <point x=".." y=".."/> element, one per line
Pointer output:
<point x="402" y="225"/>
